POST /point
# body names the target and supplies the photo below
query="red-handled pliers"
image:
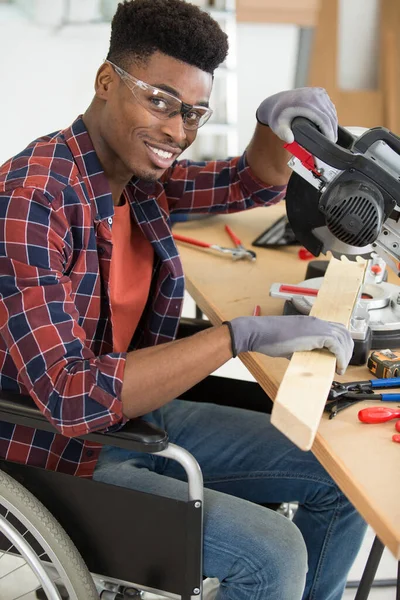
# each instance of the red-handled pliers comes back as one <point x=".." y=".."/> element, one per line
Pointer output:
<point x="237" y="253"/>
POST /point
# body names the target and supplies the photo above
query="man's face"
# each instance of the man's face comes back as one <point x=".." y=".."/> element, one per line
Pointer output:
<point x="145" y="145"/>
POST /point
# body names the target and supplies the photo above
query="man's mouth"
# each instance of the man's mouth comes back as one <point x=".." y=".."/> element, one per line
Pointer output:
<point x="160" y="157"/>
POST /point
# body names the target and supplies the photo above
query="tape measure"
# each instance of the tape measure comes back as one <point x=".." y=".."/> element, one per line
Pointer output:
<point x="384" y="363"/>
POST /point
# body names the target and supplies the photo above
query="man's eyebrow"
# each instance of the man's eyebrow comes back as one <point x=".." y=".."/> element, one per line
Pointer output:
<point x="174" y="92"/>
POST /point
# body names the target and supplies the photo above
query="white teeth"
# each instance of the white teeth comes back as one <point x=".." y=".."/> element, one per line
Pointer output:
<point x="161" y="153"/>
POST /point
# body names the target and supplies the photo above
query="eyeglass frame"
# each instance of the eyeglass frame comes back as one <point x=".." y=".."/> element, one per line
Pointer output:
<point x="143" y="85"/>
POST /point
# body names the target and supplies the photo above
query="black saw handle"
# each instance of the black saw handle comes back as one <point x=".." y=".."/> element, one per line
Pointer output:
<point x="377" y="134"/>
<point x="309" y="137"/>
<point x="307" y="134"/>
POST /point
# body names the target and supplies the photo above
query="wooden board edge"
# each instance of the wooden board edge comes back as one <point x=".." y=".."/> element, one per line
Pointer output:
<point x="295" y="419"/>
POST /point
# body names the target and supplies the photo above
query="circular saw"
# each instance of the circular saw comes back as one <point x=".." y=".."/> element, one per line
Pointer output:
<point x="344" y="197"/>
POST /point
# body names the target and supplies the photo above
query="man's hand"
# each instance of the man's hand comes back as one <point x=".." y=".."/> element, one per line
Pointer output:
<point x="281" y="336"/>
<point x="313" y="103"/>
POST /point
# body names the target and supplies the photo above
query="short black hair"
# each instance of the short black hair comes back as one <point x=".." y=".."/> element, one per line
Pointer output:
<point x="174" y="27"/>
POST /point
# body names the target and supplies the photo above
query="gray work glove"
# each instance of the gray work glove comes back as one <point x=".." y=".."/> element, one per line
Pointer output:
<point x="281" y="336"/>
<point x="313" y="103"/>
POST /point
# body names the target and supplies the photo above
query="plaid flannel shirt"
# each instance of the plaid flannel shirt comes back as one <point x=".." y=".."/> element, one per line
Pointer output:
<point x="56" y="341"/>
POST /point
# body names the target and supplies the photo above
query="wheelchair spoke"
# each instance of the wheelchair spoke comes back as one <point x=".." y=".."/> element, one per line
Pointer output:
<point x="21" y="566"/>
<point x="5" y="552"/>
<point x="13" y="570"/>
<point x="25" y="594"/>
<point x="35" y="551"/>
<point x="8" y="551"/>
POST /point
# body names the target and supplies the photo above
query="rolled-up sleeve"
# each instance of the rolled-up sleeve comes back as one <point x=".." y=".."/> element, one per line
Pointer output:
<point x="217" y="186"/>
<point x="77" y="391"/>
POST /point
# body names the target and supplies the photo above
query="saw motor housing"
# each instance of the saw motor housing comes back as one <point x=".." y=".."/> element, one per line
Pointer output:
<point x="354" y="212"/>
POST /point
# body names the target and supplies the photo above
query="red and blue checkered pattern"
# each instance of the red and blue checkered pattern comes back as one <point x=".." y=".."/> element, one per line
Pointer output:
<point x="56" y="341"/>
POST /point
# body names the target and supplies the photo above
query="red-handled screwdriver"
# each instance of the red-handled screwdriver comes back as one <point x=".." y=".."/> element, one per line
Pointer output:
<point x="378" y="414"/>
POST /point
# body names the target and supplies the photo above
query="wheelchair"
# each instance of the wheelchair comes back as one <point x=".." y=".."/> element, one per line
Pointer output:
<point x="68" y="537"/>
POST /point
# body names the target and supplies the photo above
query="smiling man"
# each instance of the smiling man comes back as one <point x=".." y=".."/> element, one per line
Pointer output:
<point x="91" y="294"/>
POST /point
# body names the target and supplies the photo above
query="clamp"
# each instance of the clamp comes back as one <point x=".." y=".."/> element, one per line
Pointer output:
<point x="343" y="395"/>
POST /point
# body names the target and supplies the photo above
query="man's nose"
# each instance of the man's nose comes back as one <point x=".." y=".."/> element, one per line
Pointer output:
<point x="173" y="127"/>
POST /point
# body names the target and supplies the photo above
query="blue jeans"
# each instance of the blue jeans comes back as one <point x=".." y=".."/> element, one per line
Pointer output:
<point x="256" y="553"/>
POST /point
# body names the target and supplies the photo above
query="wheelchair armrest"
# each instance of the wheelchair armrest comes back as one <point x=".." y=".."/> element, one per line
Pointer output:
<point x="137" y="434"/>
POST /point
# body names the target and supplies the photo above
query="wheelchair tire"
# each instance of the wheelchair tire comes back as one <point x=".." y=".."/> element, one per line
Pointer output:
<point x="40" y="523"/>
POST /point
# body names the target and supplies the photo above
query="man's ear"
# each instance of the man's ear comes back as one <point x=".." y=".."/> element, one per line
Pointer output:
<point x="105" y="79"/>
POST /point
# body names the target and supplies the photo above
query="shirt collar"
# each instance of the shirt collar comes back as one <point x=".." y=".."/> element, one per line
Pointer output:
<point x="80" y="144"/>
<point x="78" y="140"/>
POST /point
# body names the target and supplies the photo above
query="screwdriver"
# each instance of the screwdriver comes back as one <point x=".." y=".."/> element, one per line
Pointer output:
<point x="378" y="414"/>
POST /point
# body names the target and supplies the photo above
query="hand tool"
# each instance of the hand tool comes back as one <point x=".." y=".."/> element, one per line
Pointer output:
<point x="378" y="414"/>
<point x="343" y="395"/>
<point x="249" y="253"/>
<point x="364" y="389"/>
<point x="236" y="253"/>
<point x="384" y="363"/>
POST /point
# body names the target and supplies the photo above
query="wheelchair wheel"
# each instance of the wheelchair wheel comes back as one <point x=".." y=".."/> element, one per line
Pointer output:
<point x="35" y="552"/>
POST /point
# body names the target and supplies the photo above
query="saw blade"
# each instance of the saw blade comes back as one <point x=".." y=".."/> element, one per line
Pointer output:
<point x="339" y="248"/>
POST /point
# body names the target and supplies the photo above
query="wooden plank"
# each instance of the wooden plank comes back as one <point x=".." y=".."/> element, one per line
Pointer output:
<point x="301" y="397"/>
<point x="298" y="12"/>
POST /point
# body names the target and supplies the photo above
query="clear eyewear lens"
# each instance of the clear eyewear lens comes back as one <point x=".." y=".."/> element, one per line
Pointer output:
<point x="199" y="118"/>
<point x="165" y="106"/>
<point x="162" y="104"/>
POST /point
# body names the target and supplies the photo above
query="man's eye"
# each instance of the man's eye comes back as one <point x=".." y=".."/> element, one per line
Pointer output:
<point x="192" y="116"/>
<point x="159" y="103"/>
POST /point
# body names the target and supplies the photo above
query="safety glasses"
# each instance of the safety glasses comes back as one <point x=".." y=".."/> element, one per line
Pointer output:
<point x="161" y="104"/>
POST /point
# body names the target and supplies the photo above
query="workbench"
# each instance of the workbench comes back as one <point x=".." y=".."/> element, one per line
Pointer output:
<point x="361" y="458"/>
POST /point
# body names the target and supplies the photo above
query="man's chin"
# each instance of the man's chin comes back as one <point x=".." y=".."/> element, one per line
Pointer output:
<point x="148" y="175"/>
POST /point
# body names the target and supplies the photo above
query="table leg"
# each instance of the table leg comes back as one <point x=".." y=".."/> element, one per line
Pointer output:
<point x="370" y="570"/>
<point x="398" y="582"/>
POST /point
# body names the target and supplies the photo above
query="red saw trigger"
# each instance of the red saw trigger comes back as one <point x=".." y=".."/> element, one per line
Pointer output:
<point x="306" y="159"/>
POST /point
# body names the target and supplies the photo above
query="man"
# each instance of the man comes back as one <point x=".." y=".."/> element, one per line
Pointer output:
<point x="91" y="294"/>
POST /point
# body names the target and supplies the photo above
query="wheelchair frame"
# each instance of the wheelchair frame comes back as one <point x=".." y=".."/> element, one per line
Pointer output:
<point x="156" y="541"/>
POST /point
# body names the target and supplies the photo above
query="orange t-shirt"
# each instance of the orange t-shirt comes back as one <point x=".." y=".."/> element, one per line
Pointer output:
<point x="130" y="275"/>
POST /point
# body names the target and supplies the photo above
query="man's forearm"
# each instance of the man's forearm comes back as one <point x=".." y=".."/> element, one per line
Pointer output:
<point x="154" y="376"/>
<point x="267" y="157"/>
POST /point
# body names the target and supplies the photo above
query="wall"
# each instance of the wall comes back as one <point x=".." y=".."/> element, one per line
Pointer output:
<point x="47" y="75"/>
<point x="267" y="58"/>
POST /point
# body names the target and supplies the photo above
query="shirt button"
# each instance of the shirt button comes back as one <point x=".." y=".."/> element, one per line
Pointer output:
<point x="89" y="453"/>
<point x="110" y="220"/>
<point x="100" y="250"/>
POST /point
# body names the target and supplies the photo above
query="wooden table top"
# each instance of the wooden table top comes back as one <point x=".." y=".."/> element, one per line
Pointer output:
<point x="361" y="458"/>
